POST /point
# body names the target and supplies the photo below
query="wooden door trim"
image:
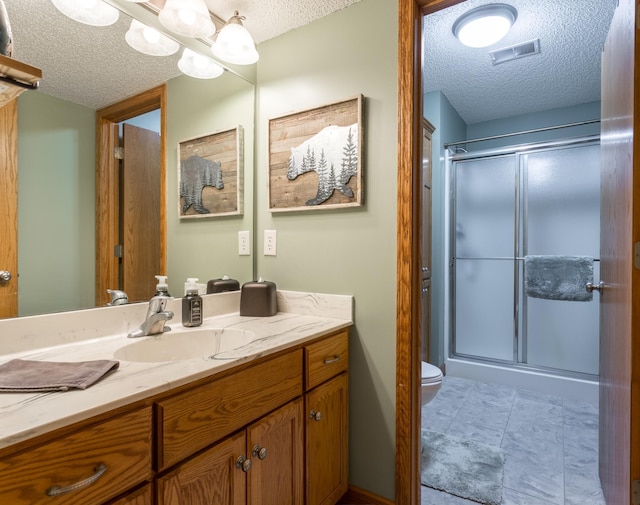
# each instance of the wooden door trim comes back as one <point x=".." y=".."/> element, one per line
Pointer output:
<point x="9" y="207"/>
<point x="408" y="311"/>
<point x="107" y="214"/>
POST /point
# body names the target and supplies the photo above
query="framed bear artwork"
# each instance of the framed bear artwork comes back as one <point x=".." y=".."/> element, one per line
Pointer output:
<point x="315" y="159"/>
<point x="210" y="175"/>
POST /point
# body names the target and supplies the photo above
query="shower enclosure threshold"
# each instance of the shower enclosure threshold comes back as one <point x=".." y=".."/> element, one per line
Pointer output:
<point x="568" y="388"/>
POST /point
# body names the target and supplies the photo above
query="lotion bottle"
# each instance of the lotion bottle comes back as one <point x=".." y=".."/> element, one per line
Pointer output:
<point x="192" y="305"/>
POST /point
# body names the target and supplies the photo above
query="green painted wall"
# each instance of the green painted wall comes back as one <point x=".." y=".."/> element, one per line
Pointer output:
<point x="56" y="204"/>
<point x="351" y="251"/>
<point x="207" y="248"/>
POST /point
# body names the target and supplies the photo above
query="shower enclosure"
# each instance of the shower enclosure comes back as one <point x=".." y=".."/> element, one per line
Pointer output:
<point x="507" y="203"/>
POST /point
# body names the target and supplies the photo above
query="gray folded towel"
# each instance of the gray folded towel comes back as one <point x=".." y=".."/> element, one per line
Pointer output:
<point x="558" y="277"/>
<point x="27" y="376"/>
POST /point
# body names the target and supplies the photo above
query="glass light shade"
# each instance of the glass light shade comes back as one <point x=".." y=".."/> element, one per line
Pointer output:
<point x="89" y="12"/>
<point x="234" y="43"/>
<point x="485" y="25"/>
<point x="149" y="41"/>
<point x="198" y="66"/>
<point x="190" y="18"/>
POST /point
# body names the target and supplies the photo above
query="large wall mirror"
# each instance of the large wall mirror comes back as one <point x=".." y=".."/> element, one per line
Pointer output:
<point x="86" y="69"/>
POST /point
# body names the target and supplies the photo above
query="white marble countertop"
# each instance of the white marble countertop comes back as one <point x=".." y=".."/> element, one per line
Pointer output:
<point x="301" y="317"/>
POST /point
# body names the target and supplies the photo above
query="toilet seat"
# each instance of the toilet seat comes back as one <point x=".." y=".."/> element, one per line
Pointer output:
<point x="430" y="373"/>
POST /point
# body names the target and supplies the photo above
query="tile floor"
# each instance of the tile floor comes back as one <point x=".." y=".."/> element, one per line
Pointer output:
<point x="550" y="444"/>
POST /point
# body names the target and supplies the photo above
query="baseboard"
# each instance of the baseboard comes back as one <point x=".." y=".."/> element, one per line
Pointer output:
<point x="357" y="496"/>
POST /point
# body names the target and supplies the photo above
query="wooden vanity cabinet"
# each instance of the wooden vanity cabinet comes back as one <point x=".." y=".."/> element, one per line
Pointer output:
<point x="326" y="409"/>
<point x="260" y="465"/>
<point x="269" y="433"/>
<point x="290" y="441"/>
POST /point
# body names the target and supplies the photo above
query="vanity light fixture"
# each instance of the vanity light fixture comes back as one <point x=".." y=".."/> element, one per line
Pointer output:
<point x="484" y="25"/>
<point x="190" y="18"/>
<point x="234" y="43"/>
<point x="89" y="12"/>
<point x="198" y="66"/>
<point x="149" y="41"/>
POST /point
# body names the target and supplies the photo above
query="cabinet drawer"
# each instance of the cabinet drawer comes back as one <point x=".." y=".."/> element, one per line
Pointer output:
<point x="326" y="358"/>
<point x="198" y="418"/>
<point x="122" y="445"/>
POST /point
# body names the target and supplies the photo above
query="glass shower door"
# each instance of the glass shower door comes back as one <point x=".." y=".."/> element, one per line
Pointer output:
<point x="561" y="216"/>
<point x="483" y="257"/>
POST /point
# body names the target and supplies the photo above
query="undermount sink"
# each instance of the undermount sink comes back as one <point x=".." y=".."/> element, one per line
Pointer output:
<point x="183" y="345"/>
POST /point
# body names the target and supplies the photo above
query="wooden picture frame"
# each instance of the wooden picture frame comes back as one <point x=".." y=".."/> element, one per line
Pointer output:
<point x="315" y="158"/>
<point x="210" y="175"/>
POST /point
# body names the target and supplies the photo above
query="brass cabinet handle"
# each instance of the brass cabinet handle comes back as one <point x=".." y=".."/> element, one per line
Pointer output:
<point x="316" y="415"/>
<point x="58" y="490"/>
<point x="259" y="452"/>
<point x="328" y="361"/>
<point x="243" y="464"/>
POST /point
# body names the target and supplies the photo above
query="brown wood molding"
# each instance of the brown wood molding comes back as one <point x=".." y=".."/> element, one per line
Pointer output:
<point x="408" y="341"/>
<point x="9" y="207"/>
<point x="107" y="213"/>
<point x="408" y="353"/>
<point x="358" y="496"/>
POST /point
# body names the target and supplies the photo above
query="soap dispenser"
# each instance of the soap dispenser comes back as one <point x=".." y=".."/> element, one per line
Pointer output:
<point x="162" y="288"/>
<point x="192" y="305"/>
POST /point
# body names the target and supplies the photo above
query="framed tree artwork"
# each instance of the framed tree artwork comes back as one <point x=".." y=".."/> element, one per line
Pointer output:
<point x="315" y="158"/>
<point x="210" y="175"/>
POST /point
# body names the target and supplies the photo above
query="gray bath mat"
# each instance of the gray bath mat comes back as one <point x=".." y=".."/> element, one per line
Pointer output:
<point x="461" y="467"/>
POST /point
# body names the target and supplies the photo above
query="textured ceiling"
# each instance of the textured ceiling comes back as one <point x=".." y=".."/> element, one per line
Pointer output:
<point x="566" y="72"/>
<point x="94" y="66"/>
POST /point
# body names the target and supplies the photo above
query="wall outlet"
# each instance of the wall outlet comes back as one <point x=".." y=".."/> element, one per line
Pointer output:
<point x="269" y="242"/>
<point x="244" y="243"/>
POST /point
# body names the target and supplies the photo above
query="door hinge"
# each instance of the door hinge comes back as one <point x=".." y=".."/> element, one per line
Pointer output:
<point x="635" y="492"/>
<point x="636" y="255"/>
<point x="118" y="153"/>
<point x="118" y="251"/>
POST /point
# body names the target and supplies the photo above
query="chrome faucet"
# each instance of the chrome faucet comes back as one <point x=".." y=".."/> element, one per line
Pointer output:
<point x="155" y="319"/>
<point x="117" y="297"/>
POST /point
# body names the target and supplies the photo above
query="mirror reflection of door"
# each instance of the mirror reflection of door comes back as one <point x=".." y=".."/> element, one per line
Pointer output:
<point x="139" y="247"/>
<point x="142" y="243"/>
<point x="9" y="208"/>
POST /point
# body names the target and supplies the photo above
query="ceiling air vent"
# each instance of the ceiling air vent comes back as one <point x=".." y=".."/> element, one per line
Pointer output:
<point x="514" y="52"/>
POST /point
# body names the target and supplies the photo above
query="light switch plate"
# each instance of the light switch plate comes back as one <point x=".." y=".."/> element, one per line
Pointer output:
<point x="269" y="242"/>
<point x="244" y="243"/>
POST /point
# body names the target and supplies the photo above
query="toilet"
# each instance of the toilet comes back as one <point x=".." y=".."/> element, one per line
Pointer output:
<point x="431" y="382"/>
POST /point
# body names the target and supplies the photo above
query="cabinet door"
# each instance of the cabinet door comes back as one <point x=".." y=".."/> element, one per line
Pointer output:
<point x="211" y="477"/>
<point x="276" y="443"/>
<point x="327" y="451"/>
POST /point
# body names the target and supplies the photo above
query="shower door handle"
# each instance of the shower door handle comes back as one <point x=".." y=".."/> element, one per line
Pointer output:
<point x="595" y="287"/>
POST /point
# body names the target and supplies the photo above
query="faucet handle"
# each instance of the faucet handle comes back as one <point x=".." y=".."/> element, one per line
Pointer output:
<point x="157" y="304"/>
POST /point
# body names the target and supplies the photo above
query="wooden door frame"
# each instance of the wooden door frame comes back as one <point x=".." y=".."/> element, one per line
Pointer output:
<point x="107" y="183"/>
<point x="408" y="271"/>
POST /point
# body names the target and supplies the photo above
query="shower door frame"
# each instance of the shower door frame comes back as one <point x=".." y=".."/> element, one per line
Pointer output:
<point x="519" y="244"/>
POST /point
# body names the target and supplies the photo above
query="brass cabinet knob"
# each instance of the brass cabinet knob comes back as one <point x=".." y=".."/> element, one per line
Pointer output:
<point x="243" y="464"/>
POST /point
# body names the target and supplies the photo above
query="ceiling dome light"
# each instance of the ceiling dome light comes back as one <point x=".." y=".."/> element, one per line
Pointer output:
<point x="485" y="25"/>
<point x="149" y="41"/>
<point x="89" y="12"/>
<point x="190" y="18"/>
<point x="198" y="66"/>
<point x="234" y="43"/>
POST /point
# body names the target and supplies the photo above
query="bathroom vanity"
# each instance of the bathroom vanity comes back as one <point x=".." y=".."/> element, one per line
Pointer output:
<point x="264" y="423"/>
